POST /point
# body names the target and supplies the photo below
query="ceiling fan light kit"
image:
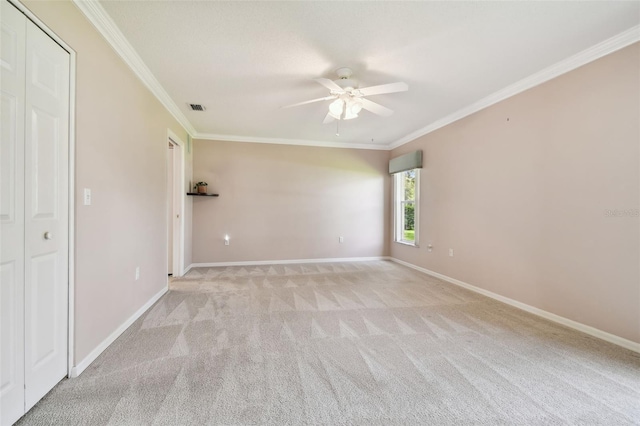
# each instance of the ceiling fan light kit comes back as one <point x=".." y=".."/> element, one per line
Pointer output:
<point x="335" y="108"/>
<point x="349" y="99"/>
<point x="345" y="108"/>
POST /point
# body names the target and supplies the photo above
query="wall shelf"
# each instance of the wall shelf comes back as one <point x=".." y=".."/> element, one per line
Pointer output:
<point x="199" y="194"/>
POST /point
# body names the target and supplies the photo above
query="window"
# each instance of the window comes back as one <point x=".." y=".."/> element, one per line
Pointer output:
<point x="406" y="186"/>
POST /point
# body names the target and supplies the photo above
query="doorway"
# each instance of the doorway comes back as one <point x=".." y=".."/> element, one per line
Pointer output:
<point x="170" y="209"/>
<point x="175" y="206"/>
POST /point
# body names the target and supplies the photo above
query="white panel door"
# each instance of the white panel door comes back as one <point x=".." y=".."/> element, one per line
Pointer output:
<point x="12" y="93"/>
<point x="46" y="213"/>
<point x="34" y="181"/>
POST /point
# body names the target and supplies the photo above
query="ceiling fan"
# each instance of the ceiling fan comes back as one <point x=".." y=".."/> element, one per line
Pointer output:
<point x="349" y="100"/>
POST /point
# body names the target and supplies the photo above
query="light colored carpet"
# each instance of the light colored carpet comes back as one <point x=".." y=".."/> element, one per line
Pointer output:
<point x="367" y="343"/>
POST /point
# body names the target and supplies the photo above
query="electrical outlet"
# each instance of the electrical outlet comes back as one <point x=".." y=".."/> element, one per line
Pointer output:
<point x="137" y="273"/>
<point x="341" y="239"/>
<point x="87" y="196"/>
<point x="450" y="252"/>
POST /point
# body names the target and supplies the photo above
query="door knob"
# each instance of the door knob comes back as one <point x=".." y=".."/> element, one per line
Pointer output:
<point x="48" y="236"/>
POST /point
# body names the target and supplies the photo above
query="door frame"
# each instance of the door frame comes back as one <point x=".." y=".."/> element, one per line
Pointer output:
<point x="179" y="195"/>
<point x="72" y="177"/>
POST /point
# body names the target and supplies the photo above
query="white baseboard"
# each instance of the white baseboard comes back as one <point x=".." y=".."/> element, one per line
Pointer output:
<point x="285" y="262"/>
<point x="82" y="365"/>
<point x="611" y="338"/>
<point x="187" y="269"/>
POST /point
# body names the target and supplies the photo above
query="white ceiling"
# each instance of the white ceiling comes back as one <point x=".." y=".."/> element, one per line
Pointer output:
<point x="244" y="60"/>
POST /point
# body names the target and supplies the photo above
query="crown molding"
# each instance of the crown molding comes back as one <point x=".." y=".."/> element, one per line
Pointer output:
<point x="624" y="39"/>
<point x="101" y="20"/>
<point x="299" y="142"/>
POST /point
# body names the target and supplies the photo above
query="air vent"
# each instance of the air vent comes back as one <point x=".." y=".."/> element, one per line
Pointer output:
<point x="197" y="107"/>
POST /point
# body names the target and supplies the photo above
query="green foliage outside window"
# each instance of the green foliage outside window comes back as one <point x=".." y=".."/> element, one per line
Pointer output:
<point x="409" y="209"/>
<point x="409" y="217"/>
<point x="410" y="185"/>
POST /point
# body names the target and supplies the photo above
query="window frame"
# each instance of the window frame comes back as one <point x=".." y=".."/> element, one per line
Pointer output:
<point x="398" y="208"/>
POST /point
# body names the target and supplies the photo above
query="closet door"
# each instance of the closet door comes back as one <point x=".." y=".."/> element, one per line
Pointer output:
<point x="46" y="213"/>
<point x="12" y="88"/>
<point x="34" y="188"/>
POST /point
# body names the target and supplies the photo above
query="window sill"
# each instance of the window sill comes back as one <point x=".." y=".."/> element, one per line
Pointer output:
<point x="406" y="243"/>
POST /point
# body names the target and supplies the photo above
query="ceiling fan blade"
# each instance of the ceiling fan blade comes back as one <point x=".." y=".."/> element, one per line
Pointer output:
<point x="328" y="119"/>
<point x="384" y="88"/>
<point x="329" y="85"/>
<point x="375" y="108"/>
<point x="326" y="98"/>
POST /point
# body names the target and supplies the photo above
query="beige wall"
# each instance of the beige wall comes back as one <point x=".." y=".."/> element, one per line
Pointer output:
<point x="281" y="202"/>
<point x="519" y="191"/>
<point x="121" y="151"/>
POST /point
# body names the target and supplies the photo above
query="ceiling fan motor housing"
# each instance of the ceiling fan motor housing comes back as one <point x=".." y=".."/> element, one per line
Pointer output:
<point x="344" y="72"/>
<point x="345" y="81"/>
